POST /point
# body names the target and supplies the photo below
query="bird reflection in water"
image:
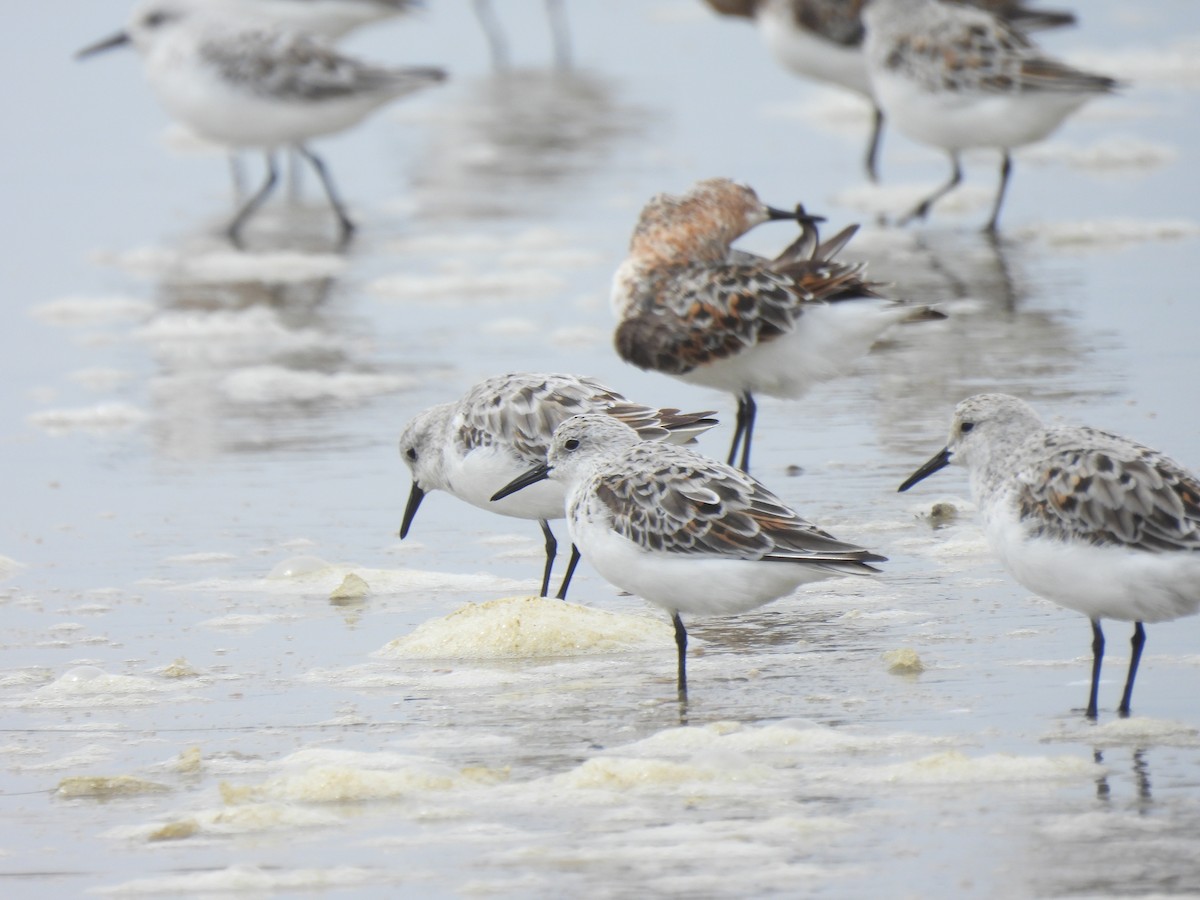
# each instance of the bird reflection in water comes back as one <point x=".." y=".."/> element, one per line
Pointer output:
<point x="514" y="141"/>
<point x="1141" y="778"/>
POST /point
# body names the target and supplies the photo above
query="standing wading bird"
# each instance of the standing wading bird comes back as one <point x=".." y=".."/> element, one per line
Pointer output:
<point x="1090" y="520"/>
<point x="956" y="78"/>
<point x="474" y="446"/>
<point x="244" y="85"/>
<point x="691" y="307"/>
<point x="684" y="532"/>
<point x="822" y="39"/>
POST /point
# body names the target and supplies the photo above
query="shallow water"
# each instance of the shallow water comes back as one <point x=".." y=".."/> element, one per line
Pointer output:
<point x="201" y="447"/>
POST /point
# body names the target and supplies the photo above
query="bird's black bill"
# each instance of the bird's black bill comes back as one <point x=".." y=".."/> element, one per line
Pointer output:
<point x="415" y="496"/>
<point x="533" y="476"/>
<point x="939" y="461"/>
<point x="795" y="215"/>
<point x="120" y="39"/>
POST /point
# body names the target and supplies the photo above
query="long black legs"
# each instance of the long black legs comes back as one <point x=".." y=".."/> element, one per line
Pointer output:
<point x="559" y="33"/>
<point x="681" y="646"/>
<point x="871" y="162"/>
<point x="1136" y="643"/>
<point x="1135" y="656"/>
<point x="491" y="30"/>
<point x="1097" y="659"/>
<point x="234" y="231"/>
<point x="345" y="225"/>
<point x="571" y="564"/>
<point x="551" y="552"/>
<point x="743" y="431"/>
<point x="1005" y="172"/>
<point x="921" y="210"/>
<point x="250" y="207"/>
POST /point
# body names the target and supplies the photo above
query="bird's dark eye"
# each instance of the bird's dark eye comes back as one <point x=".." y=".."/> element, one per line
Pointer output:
<point x="965" y="427"/>
<point x="411" y="453"/>
<point x="571" y="444"/>
<point x="154" y="19"/>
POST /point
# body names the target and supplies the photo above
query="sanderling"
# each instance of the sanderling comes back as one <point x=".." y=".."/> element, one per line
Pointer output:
<point x="246" y="86"/>
<point x="691" y="307"/>
<point x="956" y="78"/>
<point x="501" y="427"/>
<point x="822" y="39"/>
<point x="684" y="532"/>
<point x="1092" y="521"/>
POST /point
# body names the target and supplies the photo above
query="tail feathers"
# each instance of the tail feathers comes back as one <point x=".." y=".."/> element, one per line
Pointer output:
<point x="663" y="424"/>
<point x="848" y="564"/>
<point x="832" y="247"/>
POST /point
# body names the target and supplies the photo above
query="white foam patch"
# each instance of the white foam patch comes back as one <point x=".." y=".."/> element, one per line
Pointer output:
<point x="615" y="773"/>
<point x="101" y="418"/>
<point x="88" y="686"/>
<point x="794" y="738"/>
<point x="492" y="285"/>
<point x="1118" y="152"/>
<point x="101" y="379"/>
<point x="244" y="818"/>
<point x="257" y="328"/>
<point x="1175" y="65"/>
<point x="956" y="768"/>
<point x="274" y="384"/>
<point x="9" y="567"/>
<point x="898" y="199"/>
<point x="356" y="783"/>
<point x="323" y="580"/>
<point x="1137" y="731"/>
<point x="76" y="311"/>
<point x="531" y="241"/>
<point x="241" y="622"/>
<point x="551" y="259"/>
<point x="250" y="879"/>
<point x="1104" y="234"/>
<point x="529" y="627"/>
<point x="201" y="558"/>
<point x="218" y="263"/>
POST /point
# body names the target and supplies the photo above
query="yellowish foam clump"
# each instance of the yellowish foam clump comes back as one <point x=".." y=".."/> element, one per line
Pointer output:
<point x="904" y="661"/>
<point x="618" y="773"/>
<point x="102" y="786"/>
<point x="190" y="761"/>
<point x="526" y="627"/>
<point x="174" y="831"/>
<point x="954" y="767"/>
<point x="180" y="668"/>
<point x="352" y="588"/>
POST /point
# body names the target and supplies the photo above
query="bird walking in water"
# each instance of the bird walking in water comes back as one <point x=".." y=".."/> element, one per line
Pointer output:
<point x="242" y="84"/>
<point x="1090" y="520"/>
<point x="684" y="532"/>
<point x="955" y="77"/>
<point x="692" y="307"/>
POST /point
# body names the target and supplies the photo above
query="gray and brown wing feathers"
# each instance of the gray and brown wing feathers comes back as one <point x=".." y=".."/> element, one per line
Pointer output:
<point x="1113" y="493"/>
<point x="293" y="66"/>
<point x="691" y="506"/>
